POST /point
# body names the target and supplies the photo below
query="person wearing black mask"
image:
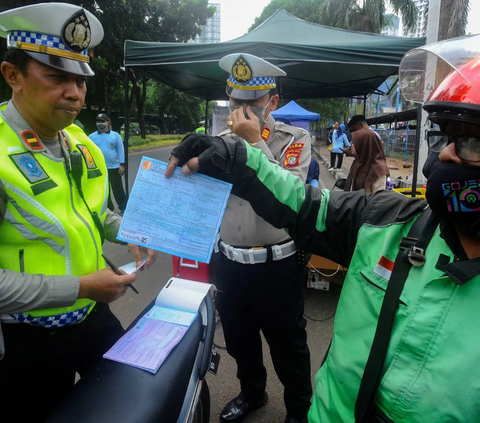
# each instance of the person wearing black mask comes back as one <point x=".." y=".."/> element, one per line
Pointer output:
<point x="406" y="337"/>
<point x="112" y="148"/>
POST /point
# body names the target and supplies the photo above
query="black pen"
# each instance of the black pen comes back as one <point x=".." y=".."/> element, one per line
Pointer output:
<point x="115" y="269"/>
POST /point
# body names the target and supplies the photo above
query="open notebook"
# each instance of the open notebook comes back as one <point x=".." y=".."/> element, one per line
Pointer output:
<point x="149" y="342"/>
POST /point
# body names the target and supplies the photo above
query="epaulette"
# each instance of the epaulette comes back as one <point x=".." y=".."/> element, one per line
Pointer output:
<point x="292" y="130"/>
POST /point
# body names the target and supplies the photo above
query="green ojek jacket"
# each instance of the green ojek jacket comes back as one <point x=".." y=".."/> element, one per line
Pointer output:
<point x="432" y="371"/>
<point x="47" y="227"/>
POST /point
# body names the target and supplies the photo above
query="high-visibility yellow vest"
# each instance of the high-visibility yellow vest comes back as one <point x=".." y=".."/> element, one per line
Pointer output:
<point x="47" y="227"/>
<point x="200" y="130"/>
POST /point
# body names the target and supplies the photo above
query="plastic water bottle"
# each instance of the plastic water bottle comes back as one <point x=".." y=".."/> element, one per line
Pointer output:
<point x="390" y="184"/>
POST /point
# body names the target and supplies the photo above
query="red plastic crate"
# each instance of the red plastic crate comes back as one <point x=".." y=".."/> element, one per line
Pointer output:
<point x="190" y="269"/>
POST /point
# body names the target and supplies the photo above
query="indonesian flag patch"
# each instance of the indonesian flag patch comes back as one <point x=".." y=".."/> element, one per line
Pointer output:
<point x="384" y="268"/>
<point x="292" y="155"/>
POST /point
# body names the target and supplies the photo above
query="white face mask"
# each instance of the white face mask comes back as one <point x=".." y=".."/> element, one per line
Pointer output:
<point x="259" y="112"/>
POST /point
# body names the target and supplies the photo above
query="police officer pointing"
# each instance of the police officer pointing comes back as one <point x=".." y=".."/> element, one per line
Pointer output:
<point x="257" y="269"/>
<point x="53" y="214"/>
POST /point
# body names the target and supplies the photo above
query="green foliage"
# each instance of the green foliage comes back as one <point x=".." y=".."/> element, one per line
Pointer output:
<point x="308" y="10"/>
<point x="151" y="141"/>
<point x="367" y="15"/>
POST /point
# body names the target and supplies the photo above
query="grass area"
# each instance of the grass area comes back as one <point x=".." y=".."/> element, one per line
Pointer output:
<point x="136" y="142"/>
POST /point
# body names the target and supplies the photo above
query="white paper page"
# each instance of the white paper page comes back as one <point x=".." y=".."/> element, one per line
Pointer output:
<point x="180" y="215"/>
<point x="130" y="268"/>
<point x="170" y="315"/>
<point x="183" y="294"/>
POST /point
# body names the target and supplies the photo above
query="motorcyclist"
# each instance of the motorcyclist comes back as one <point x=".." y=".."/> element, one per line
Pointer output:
<point x="430" y="370"/>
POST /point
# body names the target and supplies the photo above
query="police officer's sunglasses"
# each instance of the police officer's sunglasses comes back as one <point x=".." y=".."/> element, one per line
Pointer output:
<point x="467" y="147"/>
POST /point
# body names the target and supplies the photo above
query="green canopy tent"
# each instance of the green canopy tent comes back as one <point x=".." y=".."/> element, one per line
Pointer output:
<point x="320" y="61"/>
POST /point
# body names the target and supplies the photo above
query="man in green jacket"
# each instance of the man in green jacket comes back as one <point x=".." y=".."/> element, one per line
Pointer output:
<point x="430" y="369"/>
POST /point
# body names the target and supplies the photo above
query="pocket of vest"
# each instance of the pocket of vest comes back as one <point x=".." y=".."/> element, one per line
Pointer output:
<point x="371" y="281"/>
<point x="21" y="262"/>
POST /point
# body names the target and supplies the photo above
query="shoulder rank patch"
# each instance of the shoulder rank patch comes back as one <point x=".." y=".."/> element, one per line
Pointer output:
<point x="29" y="166"/>
<point x="87" y="156"/>
<point x="266" y="133"/>
<point x="292" y="155"/>
<point x="33" y="143"/>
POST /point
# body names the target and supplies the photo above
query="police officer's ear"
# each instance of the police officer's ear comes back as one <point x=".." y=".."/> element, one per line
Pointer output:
<point x="12" y="75"/>
<point x="274" y="102"/>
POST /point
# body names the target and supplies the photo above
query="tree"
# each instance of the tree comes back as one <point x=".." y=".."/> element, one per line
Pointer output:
<point x="369" y="17"/>
<point x="453" y="18"/>
<point x="308" y="10"/>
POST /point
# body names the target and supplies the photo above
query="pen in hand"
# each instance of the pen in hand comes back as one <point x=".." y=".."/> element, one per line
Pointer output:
<point x="115" y="269"/>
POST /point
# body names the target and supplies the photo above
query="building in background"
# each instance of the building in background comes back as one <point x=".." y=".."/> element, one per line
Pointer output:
<point x="211" y="31"/>
<point x="393" y="25"/>
<point x="422" y="6"/>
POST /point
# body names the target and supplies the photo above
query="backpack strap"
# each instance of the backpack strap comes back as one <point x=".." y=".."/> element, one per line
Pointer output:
<point x="412" y="253"/>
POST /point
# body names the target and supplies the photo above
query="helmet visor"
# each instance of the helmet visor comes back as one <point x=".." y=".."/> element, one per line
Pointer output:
<point x="423" y="69"/>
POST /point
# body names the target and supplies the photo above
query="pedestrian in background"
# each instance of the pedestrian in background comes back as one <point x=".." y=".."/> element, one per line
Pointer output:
<point x="111" y="145"/>
<point x="369" y="170"/>
<point x="201" y="128"/>
<point x="339" y="142"/>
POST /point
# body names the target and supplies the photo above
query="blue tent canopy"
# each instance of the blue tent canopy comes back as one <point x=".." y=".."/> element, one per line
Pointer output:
<point x="293" y="112"/>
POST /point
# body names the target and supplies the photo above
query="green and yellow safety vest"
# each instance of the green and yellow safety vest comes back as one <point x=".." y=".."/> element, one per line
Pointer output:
<point x="47" y="228"/>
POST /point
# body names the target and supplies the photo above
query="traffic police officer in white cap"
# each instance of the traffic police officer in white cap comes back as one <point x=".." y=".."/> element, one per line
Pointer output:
<point x="54" y="287"/>
<point x="258" y="271"/>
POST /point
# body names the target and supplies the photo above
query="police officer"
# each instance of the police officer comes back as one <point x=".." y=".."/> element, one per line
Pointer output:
<point x="201" y="128"/>
<point x="406" y="337"/>
<point x="258" y="270"/>
<point x="53" y="218"/>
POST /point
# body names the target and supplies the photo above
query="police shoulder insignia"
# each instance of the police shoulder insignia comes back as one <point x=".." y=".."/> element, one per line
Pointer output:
<point x="76" y="32"/>
<point x="292" y="155"/>
<point x="29" y="166"/>
<point x="266" y="133"/>
<point x="31" y="140"/>
<point x="87" y="156"/>
<point x="241" y="70"/>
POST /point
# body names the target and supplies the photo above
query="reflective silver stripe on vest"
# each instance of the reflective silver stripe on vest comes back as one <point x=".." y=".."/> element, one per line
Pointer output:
<point x="65" y="250"/>
<point x="105" y="197"/>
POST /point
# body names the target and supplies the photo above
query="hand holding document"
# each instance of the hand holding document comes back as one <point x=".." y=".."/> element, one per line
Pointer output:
<point x="180" y="215"/>
<point x="149" y="342"/>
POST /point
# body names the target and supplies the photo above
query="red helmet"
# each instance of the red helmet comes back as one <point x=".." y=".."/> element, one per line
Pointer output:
<point x="445" y="77"/>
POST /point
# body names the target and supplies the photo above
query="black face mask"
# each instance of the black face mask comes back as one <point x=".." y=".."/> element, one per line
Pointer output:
<point x="453" y="192"/>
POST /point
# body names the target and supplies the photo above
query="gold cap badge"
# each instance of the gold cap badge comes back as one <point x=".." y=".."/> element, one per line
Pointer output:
<point x="76" y="32"/>
<point x="241" y="70"/>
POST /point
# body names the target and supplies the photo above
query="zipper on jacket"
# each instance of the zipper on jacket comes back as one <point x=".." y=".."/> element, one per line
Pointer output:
<point x="379" y="287"/>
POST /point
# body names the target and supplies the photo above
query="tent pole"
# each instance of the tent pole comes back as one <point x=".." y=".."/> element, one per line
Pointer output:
<point x="365" y="105"/>
<point x="126" y="128"/>
<point x="206" y="116"/>
<point x="417" y="150"/>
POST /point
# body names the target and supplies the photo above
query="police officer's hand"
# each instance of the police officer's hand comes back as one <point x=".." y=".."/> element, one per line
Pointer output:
<point x="213" y="156"/>
<point x="246" y="127"/>
<point x="137" y="251"/>
<point x="104" y="285"/>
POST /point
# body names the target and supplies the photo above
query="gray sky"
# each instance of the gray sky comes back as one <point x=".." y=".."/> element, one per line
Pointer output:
<point x="237" y="17"/>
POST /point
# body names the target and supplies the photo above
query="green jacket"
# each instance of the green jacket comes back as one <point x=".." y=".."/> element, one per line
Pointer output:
<point x="431" y="372"/>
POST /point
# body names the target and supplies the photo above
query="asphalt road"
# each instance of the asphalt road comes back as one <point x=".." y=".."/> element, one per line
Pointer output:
<point x="319" y="311"/>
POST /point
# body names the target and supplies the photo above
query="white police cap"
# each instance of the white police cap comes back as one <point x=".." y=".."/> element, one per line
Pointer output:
<point x="250" y="77"/>
<point x="56" y="34"/>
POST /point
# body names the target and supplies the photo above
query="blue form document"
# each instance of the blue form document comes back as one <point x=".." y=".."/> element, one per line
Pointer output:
<point x="180" y="215"/>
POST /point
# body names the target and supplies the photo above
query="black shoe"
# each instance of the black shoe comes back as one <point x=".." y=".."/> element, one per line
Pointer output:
<point x="239" y="408"/>
<point x="289" y="419"/>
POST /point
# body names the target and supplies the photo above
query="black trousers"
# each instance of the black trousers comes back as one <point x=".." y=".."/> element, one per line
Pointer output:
<point x="116" y="187"/>
<point x="265" y="297"/>
<point x="334" y="157"/>
<point x="40" y="364"/>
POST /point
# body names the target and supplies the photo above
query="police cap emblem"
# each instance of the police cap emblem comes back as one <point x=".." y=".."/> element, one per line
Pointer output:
<point x="76" y="32"/>
<point x="241" y="70"/>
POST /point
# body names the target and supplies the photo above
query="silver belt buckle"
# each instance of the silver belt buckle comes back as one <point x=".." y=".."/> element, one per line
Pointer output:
<point x="278" y="253"/>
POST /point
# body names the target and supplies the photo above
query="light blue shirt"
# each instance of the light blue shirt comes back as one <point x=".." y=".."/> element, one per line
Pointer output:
<point x="111" y="145"/>
<point x="339" y="142"/>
